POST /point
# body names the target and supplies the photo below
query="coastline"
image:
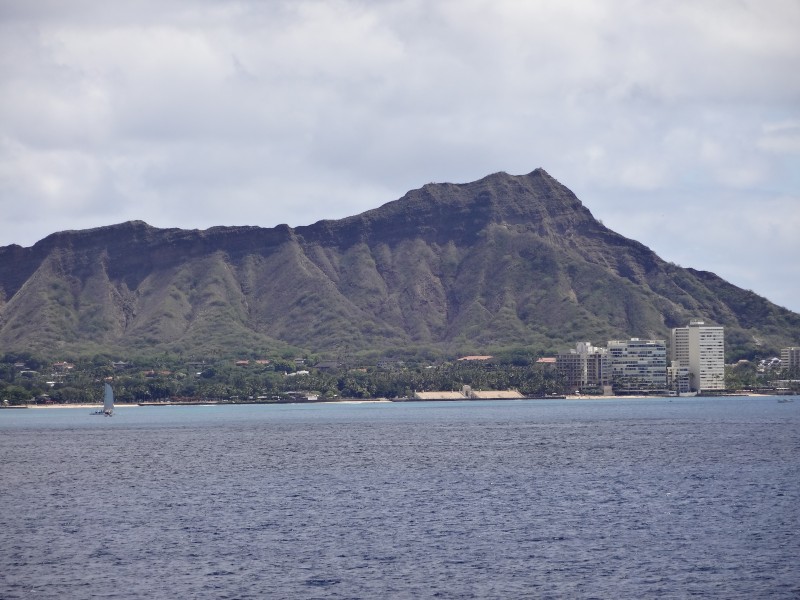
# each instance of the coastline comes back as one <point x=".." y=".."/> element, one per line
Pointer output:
<point x="98" y="406"/>
<point x="623" y="397"/>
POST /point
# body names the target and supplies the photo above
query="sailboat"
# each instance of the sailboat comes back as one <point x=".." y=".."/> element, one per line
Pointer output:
<point x="108" y="402"/>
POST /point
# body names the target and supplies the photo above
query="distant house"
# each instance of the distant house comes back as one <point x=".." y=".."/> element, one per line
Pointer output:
<point x="242" y="363"/>
<point x="300" y="396"/>
<point x="296" y="373"/>
<point x="388" y="363"/>
<point x="473" y="358"/>
<point x="547" y="362"/>
<point x="327" y="365"/>
<point x="152" y="373"/>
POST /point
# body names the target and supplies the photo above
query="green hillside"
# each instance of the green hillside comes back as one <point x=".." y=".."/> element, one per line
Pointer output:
<point x="504" y="262"/>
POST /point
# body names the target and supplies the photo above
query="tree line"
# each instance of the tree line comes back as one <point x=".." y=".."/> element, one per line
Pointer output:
<point x="164" y="377"/>
<point x="25" y="378"/>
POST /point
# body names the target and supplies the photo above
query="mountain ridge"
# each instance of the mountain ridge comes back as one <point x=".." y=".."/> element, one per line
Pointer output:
<point x="504" y="261"/>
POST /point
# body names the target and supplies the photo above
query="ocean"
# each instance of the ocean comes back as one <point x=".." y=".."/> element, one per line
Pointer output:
<point x="609" y="498"/>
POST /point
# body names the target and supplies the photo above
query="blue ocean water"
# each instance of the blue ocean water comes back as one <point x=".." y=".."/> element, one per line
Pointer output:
<point x="657" y="498"/>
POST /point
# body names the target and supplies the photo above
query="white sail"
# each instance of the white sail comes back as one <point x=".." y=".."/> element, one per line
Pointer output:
<point x="108" y="400"/>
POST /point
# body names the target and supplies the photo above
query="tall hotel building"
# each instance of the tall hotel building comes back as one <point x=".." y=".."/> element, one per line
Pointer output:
<point x="638" y="365"/>
<point x="701" y="348"/>
<point x="790" y="360"/>
<point x="584" y="367"/>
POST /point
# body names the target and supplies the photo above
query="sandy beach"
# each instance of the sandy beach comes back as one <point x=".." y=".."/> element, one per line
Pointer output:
<point x="97" y="406"/>
<point x="360" y="401"/>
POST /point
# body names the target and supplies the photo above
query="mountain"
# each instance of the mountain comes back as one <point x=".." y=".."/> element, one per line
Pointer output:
<point x="506" y="261"/>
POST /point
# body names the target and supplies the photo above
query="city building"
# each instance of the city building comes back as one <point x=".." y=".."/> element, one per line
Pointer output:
<point x="790" y="359"/>
<point x="584" y="367"/>
<point x="678" y="378"/>
<point x="638" y="365"/>
<point x="701" y="348"/>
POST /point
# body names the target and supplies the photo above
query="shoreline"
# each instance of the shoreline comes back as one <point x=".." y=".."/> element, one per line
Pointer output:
<point x="742" y="395"/>
<point x="200" y="403"/>
<point x="99" y="406"/>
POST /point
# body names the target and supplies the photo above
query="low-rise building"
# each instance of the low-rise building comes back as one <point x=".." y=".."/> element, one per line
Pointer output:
<point x="467" y="393"/>
<point x="547" y="363"/>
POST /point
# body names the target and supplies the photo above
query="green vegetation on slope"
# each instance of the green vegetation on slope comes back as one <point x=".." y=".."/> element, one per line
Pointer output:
<point x="448" y="269"/>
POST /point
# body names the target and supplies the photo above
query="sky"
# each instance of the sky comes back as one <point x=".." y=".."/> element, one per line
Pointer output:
<point x="677" y="123"/>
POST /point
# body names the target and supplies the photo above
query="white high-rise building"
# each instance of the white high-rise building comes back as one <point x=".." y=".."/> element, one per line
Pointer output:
<point x="584" y="367"/>
<point x="701" y="348"/>
<point x="678" y="378"/>
<point x="638" y="365"/>
<point x="790" y="359"/>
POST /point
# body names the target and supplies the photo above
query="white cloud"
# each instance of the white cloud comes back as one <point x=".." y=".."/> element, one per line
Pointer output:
<point x="780" y="138"/>
<point x="195" y="113"/>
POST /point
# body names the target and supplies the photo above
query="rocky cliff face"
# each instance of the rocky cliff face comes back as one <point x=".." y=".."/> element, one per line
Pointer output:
<point x="504" y="261"/>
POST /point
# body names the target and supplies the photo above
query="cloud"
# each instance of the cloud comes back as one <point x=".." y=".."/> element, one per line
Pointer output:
<point x="198" y="113"/>
<point x="780" y="138"/>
